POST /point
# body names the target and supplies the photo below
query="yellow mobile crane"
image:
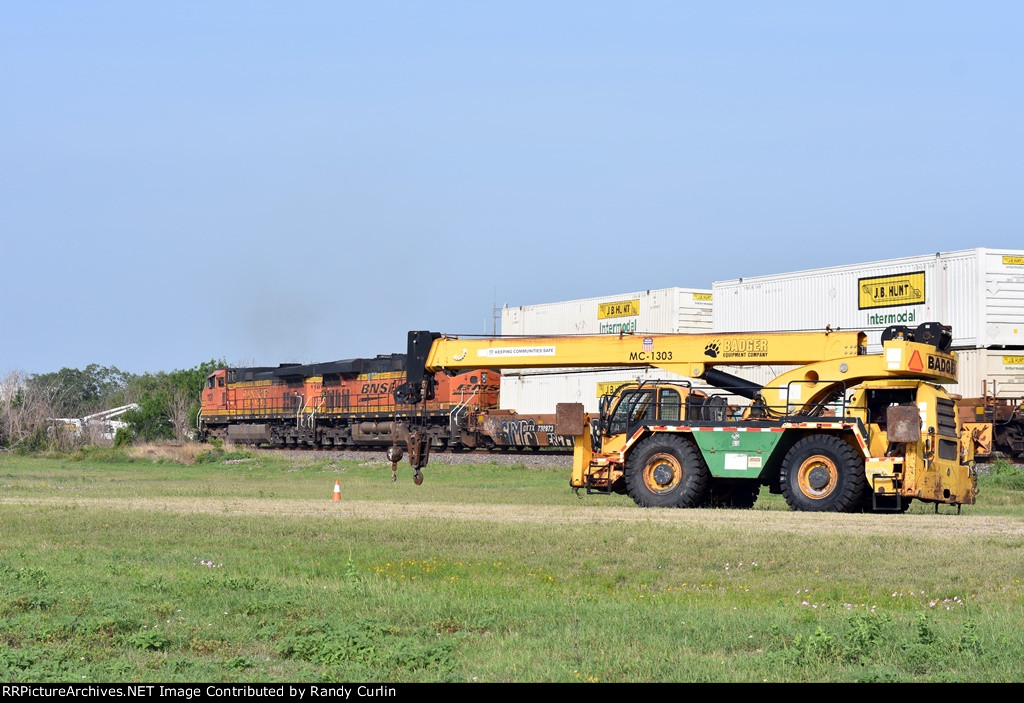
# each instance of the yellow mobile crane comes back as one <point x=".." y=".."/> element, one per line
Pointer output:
<point x="845" y="431"/>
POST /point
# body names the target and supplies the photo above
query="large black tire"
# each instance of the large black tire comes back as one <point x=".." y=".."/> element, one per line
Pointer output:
<point x="665" y="471"/>
<point x="731" y="493"/>
<point x="823" y="473"/>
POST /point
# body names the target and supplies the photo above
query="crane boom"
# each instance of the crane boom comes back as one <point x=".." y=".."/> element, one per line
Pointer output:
<point x="827" y="359"/>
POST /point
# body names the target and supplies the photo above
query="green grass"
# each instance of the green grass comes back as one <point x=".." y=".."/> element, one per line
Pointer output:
<point x="101" y="581"/>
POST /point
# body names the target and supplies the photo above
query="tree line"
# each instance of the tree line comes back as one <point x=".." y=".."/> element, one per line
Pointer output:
<point x="31" y="404"/>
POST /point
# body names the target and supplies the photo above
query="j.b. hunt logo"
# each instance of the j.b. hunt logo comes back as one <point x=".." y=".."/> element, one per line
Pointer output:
<point x="890" y="291"/>
<point x="618" y="308"/>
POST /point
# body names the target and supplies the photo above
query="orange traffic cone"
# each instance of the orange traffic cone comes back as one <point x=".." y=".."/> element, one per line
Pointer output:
<point x="337" y="490"/>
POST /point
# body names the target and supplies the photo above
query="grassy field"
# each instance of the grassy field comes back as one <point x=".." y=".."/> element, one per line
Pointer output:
<point x="245" y="570"/>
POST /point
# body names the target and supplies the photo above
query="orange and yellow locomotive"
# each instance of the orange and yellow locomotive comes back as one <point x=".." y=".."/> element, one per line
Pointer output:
<point x="347" y="403"/>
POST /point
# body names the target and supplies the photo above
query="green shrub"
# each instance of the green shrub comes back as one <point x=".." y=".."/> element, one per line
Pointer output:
<point x="38" y="441"/>
<point x="123" y="437"/>
<point x="1003" y="474"/>
<point x="109" y="455"/>
<point x="373" y="649"/>
<point x="148" y="640"/>
<point x="214" y="456"/>
<point x="239" y="663"/>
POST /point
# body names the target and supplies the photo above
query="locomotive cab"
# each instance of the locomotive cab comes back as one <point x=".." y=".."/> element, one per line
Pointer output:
<point x="215" y="391"/>
<point x="478" y="389"/>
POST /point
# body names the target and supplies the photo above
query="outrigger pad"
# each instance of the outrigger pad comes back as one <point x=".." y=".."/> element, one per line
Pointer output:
<point x="903" y="423"/>
<point x="569" y="419"/>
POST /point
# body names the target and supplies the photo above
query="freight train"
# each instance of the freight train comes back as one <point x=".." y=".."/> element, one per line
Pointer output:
<point x="350" y="404"/>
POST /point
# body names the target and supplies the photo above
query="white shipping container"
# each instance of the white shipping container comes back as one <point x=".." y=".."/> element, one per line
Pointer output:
<point x="979" y="292"/>
<point x="995" y="371"/>
<point x="651" y="311"/>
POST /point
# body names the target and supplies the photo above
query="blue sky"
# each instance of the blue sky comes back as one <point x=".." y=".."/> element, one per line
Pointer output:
<point x="269" y="182"/>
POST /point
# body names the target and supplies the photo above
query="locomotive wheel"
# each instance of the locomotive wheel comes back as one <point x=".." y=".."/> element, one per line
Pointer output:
<point x="823" y="473"/>
<point x="666" y="472"/>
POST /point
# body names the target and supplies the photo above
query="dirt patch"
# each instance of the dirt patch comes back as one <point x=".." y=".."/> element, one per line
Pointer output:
<point x="529" y="459"/>
<point x="937" y="526"/>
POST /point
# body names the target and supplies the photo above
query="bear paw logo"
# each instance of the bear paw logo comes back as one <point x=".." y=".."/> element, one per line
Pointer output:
<point x="711" y="350"/>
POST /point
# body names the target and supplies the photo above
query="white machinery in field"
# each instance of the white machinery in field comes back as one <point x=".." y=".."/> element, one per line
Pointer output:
<point x="101" y="425"/>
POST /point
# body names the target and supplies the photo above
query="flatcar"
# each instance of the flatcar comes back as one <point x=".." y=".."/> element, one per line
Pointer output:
<point x="997" y="425"/>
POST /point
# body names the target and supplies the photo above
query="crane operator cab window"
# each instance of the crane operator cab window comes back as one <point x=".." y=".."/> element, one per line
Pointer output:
<point x="670" y="405"/>
<point x="643" y="406"/>
<point x="634" y="408"/>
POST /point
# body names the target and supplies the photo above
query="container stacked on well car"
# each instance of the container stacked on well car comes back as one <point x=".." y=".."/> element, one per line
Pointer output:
<point x="979" y="292"/>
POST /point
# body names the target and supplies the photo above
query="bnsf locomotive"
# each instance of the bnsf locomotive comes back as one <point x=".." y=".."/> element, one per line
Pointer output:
<point x="351" y="403"/>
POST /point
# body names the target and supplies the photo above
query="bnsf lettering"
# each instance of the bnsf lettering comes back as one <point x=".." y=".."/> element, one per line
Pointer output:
<point x="942" y="365"/>
<point x="383" y="387"/>
<point x="476" y="388"/>
<point x="252" y="393"/>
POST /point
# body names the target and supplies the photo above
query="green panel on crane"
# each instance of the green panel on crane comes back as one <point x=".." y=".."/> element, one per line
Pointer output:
<point x="737" y="454"/>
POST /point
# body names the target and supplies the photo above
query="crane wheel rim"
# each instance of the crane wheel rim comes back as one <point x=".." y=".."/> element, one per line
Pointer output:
<point x="662" y="473"/>
<point x="818" y="476"/>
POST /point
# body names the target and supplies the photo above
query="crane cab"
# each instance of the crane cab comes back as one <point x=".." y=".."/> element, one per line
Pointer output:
<point x="659" y="402"/>
<point x="663" y="403"/>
